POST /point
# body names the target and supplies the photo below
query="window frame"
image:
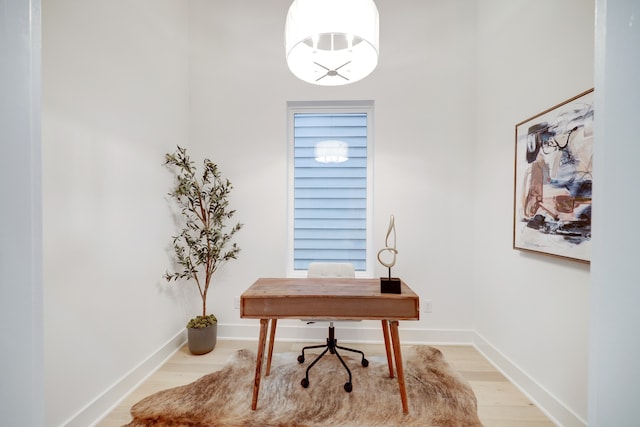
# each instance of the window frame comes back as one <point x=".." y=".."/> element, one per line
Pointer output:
<point x="296" y="107"/>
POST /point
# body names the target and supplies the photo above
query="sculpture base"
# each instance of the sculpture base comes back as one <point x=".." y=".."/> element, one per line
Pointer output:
<point x="390" y="285"/>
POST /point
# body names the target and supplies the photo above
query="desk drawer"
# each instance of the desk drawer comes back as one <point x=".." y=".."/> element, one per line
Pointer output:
<point x="343" y="308"/>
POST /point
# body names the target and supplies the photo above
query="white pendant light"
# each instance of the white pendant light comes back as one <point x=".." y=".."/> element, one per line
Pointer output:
<point x="332" y="42"/>
<point x="332" y="151"/>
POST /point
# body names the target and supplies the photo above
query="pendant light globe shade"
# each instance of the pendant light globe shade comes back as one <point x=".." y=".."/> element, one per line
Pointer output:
<point x="332" y="42"/>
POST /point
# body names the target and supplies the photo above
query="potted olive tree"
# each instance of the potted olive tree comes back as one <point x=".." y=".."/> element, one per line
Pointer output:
<point x="204" y="241"/>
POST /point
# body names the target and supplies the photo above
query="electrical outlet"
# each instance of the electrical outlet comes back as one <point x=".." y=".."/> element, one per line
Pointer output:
<point x="236" y="302"/>
<point x="428" y="306"/>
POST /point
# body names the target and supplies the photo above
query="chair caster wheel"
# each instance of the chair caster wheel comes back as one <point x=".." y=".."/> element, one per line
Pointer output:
<point x="301" y="359"/>
<point x="348" y="387"/>
<point x="365" y="363"/>
<point x="305" y="383"/>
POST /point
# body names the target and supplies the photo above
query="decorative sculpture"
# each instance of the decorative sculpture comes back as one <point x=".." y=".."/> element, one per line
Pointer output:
<point x="389" y="285"/>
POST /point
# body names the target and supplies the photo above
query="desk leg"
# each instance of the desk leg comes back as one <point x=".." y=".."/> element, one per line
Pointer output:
<point x="387" y="346"/>
<point x="261" y="342"/>
<point x="272" y="337"/>
<point x="395" y="338"/>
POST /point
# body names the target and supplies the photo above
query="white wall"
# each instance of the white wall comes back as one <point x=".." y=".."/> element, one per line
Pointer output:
<point x="115" y="99"/>
<point x="531" y="310"/>
<point x="424" y="95"/>
<point x="614" y="376"/>
<point x="21" y="332"/>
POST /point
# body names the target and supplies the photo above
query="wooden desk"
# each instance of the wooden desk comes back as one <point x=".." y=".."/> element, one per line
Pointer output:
<point x="331" y="299"/>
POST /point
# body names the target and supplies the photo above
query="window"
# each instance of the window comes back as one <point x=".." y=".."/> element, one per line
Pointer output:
<point x="330" y="185"/>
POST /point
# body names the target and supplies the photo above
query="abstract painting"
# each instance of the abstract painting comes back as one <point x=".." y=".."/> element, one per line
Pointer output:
<point x="553" y="178"/>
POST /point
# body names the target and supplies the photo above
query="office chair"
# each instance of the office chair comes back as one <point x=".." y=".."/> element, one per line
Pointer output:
<point x="319" y="269"/>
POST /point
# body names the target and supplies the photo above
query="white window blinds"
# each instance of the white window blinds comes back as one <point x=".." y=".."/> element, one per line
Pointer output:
<point x="330" y="188"/>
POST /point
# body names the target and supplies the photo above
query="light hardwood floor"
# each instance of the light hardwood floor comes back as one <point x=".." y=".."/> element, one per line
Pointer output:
<point x="500" y="403"/>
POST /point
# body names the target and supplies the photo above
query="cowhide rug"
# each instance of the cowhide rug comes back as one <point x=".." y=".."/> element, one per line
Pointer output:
<point x="437" y="395"/>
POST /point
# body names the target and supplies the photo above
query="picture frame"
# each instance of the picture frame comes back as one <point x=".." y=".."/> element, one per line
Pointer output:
<point x="553" y="180"/>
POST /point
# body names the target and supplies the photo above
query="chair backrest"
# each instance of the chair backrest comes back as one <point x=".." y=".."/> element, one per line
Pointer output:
<point x="331" y="269"/>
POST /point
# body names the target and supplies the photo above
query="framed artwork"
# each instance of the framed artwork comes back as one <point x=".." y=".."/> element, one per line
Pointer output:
<point x="553" y="177"/>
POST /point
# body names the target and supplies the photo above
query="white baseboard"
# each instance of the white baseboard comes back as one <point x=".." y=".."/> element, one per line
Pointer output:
<point x="354" y="332"/>
<point x="549" y="404"/>
<point x="97" y="409"/>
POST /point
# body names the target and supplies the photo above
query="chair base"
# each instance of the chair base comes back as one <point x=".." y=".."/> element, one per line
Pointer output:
<point x="332" y="347"/>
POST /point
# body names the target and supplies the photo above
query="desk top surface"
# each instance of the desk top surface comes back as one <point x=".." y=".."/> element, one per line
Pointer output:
<point x="335" y="298"/>
<point x="322" y="286"/>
